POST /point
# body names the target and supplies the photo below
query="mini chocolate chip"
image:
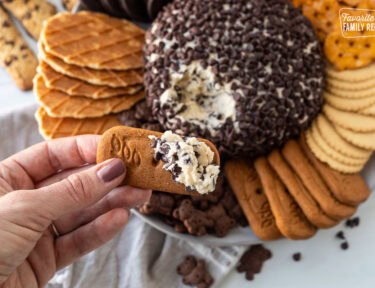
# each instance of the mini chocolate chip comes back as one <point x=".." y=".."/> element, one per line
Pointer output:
<point x="352" y="223"/>
<point x="340" y="235"/>
<point x="6" y="24"/>
<point x="297" y="256"/>
<point x="344" y="245"/>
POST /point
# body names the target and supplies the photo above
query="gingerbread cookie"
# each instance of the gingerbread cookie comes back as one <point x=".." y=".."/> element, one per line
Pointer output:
<point x="248" y="189"/>
<point x="314" y="183"/>
<point x="301" y="195"/>
<point x="15" y="56"/>
<point x="163" y="162"/>
<point x="350" y="189"/>
<point x="290" y="220"/>
<point x="30" y="13"/>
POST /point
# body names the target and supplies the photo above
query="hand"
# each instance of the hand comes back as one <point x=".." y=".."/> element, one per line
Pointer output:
<point x="57" y="182"/>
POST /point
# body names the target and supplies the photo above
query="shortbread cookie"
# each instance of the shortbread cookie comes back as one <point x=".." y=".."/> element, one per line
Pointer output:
<point x="51" y="128"/>
<point x="164" y="162"/>
<point x="243" y="110"/>
<point x="94" y="40"/>
<point x="324" y="157"/>
<point x="350" y="86"/>
<point x="290" y="220"/>
<point x="246" y="185"/>
<point x="15" y="56"/>
<point x="301" y="195"/>
<point x="357" y="75"/>
<point x="349" y="120"/>
<point x="363" y="140"/>
<point x="339" y="157"/>
<point x="333" y="139"/>
<point x="314" y="183"/>
<point x="107" y="77"/>
<point x="75" y="87"/>
<point x="350" y="189"/>
<point x="60" y="104"/>
<point x="360" y="96"/>
<point x="31" y="13"/>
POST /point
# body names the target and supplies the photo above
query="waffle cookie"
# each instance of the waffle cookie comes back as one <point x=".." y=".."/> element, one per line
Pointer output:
<point x="15" y="56"/>
<point x="51" y="128"/>
<point x="194" y="166"/>
<point x="94" y="40"/>
<point x="76" y="87"/>
<point x="59" y="104"/>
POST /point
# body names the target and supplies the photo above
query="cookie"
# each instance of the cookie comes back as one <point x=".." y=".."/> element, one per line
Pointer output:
<point x="350" y="189"/>
<point x="248" y="101"/>
<point x="349" y="120"/>
<point x="363" y="140"/>
<point x="246" y="186"/>
<point x="155" y="6"/>
<point x="290" y="220"/>
<point x="52" y="128"/>
<point x="368" y="111"/>
<point x="94" y="40"/>
<point x="163" y="162"/>
<point x="70" y="4"/>
<point x="331" y="152"/>
<point x="195" y="273"/>
<point x="111" y="78"/>
<point x="314" y="183"/>
<point x="15" y="56"/>
<point x="326" y="158"/>
<point x="333" y="83"/>
<point x="301" y="195"/>
<point x="333" y="139"/>
<point x="30" y="13"/>
<point x="361" y="97"/>
<point x="348" y="53"/>
<point x="352" y="76"/>
<point x="75" y="87"/>
<point x="60" y="104"/>
<point x="252" y="260"/>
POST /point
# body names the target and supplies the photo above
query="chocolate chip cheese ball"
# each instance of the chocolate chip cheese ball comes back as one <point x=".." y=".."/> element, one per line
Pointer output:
<point x="246" y="74"/>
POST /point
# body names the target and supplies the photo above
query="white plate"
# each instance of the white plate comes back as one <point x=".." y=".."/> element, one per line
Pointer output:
<point x="237" y="236"/>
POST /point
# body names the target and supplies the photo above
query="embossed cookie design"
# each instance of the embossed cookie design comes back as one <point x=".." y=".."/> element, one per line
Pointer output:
<point x="164" y="162"/>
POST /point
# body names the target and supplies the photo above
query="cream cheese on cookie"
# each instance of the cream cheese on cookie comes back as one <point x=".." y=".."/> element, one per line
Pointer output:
<point x="190" y="161"/>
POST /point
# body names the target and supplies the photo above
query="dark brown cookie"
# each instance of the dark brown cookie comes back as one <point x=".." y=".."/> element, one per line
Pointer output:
<point x="252" y="260"/>
<point x="154" y="6"/>
<point x="135" y="9"/>
<point x="195" y="272"/>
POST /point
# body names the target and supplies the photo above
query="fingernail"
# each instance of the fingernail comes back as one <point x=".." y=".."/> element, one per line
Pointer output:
<point x="113" y="169"/>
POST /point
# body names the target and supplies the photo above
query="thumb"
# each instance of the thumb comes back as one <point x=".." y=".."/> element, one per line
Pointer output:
<point x="80" y="190"/>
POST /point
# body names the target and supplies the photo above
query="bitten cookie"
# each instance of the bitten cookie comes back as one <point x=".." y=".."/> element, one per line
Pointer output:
<point x="289" y="218"/>
<point x="31" y="13"/>
<point x="164" y="162"/>
<point x="246" y="185"/>
<point x="15" y="55"/>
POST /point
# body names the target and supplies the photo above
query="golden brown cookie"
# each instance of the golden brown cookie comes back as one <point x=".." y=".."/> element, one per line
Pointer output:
<point x="348" y="120"/>
<point x="15" y="56"/>
<point x="246" y="186"/>
<point x="51" y="128"/>
<point x="363" y="140"/>
<point x="94" y="40"/>
<point x="349" y="98"/>
<point x="290" y="220"/>
<point x="106" y="77"/>
<point x="333" y="83"/>
<point x="333" y="139"/>
<point x="31" y="13"/>
<point x="350" y="189"/>
<point x="352" y="76"/>
<point x="75" y="87"/>
<point x="314" y="183"/>
<point x="60" y="104"/>
<point x="301" y="195"/>
<point x="134" y="147"/>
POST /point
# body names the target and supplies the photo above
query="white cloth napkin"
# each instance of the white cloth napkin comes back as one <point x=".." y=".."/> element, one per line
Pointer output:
<point x="140" y="256"/>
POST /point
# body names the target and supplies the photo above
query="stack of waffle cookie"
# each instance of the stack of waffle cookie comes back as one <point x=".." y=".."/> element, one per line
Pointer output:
<point x="291" y="193"/>
<point x="90" y="68"/>
<point x="343" y="135"/>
